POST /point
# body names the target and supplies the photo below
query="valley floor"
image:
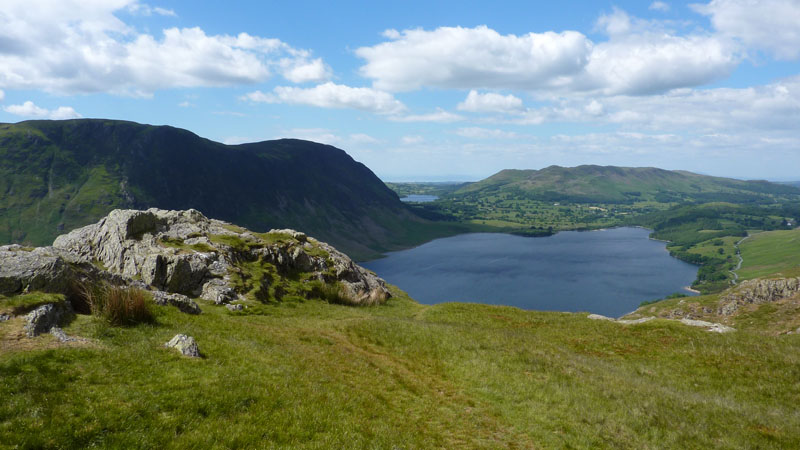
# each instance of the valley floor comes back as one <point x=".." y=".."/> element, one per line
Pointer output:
<point x="401" y="375"/>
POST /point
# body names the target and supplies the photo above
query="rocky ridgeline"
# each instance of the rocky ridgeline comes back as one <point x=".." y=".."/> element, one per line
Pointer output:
<point x="757" y="292"/>
<point x="182" y="254"/>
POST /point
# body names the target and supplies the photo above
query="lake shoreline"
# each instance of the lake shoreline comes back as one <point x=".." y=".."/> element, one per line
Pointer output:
<point x="606" y="273"/>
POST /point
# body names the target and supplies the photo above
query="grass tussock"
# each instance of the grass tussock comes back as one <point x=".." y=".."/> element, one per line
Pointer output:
<point x="333" y="293"/>
<point x="117" y="305"/>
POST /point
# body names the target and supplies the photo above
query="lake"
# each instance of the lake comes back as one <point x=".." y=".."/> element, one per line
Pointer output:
<point x="419" y="198"/>
<point x="606" y="272"/>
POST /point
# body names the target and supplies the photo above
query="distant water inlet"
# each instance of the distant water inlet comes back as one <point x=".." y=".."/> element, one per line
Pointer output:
<point x="419" y="198"/>
<point x="607" y="272"/>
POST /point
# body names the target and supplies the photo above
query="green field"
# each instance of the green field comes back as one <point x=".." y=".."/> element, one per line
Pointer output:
<point x="771" y="253"/>
<point x="401" y="375"/>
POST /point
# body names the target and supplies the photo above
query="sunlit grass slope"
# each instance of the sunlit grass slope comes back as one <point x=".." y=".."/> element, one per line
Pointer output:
<point x="771" y="253"/>
<point x="401" y="375"/>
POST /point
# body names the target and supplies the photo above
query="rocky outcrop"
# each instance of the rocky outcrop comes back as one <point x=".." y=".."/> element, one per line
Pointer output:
<point x="182" y="254"/>
<point x="757" y="292"/>
<point x="185" y="345"/>
<point x="40" y="269"/>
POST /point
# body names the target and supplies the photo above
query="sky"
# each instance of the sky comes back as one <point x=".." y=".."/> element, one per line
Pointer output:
<point x="429" y="90"/>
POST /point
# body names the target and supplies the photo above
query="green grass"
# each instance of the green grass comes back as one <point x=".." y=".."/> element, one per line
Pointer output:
<point x="774" y="253"/>
<point x="309" y="374"/>
<point x="181" y="245"/>
<point x="20" y="304"/>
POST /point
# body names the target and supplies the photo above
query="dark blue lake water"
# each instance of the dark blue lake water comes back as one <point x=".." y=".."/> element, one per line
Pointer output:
<point x="606" y="272"/>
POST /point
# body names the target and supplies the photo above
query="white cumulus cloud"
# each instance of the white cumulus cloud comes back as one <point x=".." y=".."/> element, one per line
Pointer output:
<point x="331" y="95"/>
<point x="769" y="25"/>
<point x="457" y="57"/>
<point x="490" y="102"/>
<point x="639" y="57"/>
<point x="303" y="69"/>
<point x="30" y="110"/>
<point x="80" y="46"/>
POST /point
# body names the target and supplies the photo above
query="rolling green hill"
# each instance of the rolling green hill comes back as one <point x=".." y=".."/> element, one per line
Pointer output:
<point x="610" y="184"/>
<point x="59" y="175"/>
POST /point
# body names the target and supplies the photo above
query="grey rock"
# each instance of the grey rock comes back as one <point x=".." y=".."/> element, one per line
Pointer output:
<point x="41" y="319"/>
<point x="153" y="250"/>
<point x="756" y="292"/>
<point x="180" y="301"/>
<point x="42" y="269"/>
<point x="4" y="317"/>
<point x="218" y="291"/>
<point x="635" y="321"/>
<point x="715" y="327"/>
<point x="59" y="334"/>
<point x="236" y="307"/>
<point x="599" y="317"/>
<point x="186" y="345"/>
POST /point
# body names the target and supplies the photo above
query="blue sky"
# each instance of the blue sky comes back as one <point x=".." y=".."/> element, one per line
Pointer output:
<point x="430" y="90"/>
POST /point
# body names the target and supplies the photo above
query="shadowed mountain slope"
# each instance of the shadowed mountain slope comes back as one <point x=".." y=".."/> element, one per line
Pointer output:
<point x="59" y="175"/>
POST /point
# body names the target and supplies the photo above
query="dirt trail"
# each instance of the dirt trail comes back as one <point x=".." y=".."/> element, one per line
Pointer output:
<point x="738" y="255"/>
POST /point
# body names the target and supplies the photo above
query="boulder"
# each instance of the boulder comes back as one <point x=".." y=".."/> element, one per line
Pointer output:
<point x="186" y="345"/>
<point x="43" y="318"/>
<point x="40" y="269"/>
<point x="182" y="302"/>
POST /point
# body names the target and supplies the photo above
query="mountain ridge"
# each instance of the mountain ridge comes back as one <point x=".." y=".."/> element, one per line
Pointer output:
<point x="59" y="175"/>
<point x="615" y="184"/>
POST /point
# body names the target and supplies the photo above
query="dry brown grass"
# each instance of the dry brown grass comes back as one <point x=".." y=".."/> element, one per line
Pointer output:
<point x="118" y="305"/>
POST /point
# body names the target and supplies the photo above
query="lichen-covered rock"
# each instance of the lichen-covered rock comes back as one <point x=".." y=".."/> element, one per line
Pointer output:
<point x="43" y="318"/>
<point x="218" y="291"/>
<point x="40" y="269"/>
<point x="236" y="307"/>
<point x="180" y="301"/>
<point x="59" y="334"/>
<point x="186" y="345"/>
<point x="183" y="252"/>
<point x="756" y="292"/>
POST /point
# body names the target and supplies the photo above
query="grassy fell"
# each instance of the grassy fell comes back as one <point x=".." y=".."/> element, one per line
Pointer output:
<point x="403" y="375"/>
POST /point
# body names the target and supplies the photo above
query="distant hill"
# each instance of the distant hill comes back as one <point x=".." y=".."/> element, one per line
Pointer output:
<point x="59" y="175"/>
<point x="609" y="184"/>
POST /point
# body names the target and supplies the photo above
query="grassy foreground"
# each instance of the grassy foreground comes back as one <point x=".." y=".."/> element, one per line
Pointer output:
<point x="402" y="375"/>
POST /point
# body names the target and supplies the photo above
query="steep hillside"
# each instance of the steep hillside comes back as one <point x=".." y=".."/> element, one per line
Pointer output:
<point x="58" y="175"/>
<point x="609" y="184"/>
